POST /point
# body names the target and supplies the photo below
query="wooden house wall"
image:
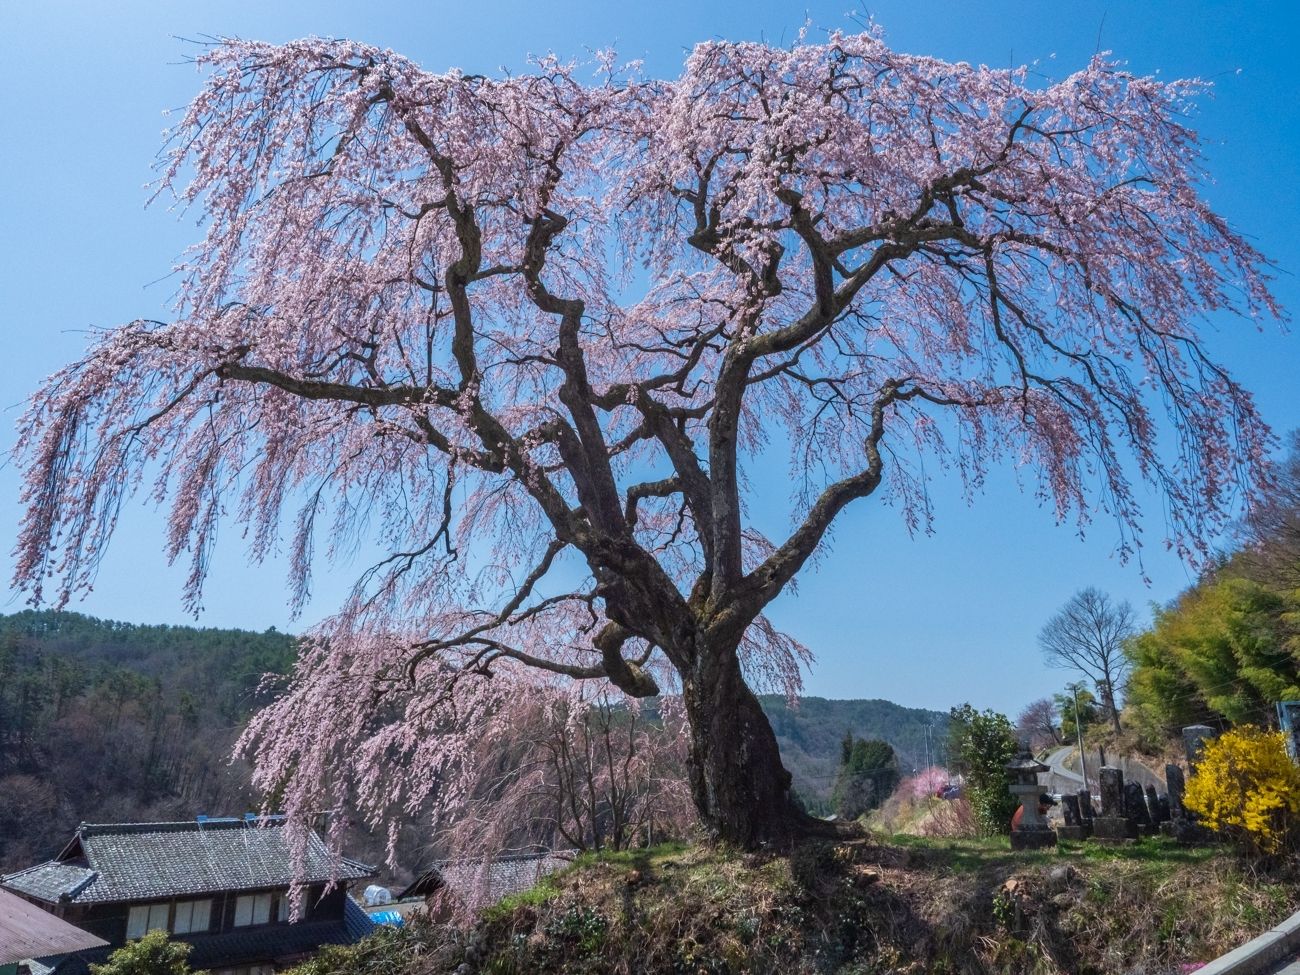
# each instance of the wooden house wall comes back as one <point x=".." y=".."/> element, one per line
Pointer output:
<point x="109" y="921"/>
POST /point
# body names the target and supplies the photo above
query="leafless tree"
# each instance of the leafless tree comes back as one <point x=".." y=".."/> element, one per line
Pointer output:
<point x="1087" y="635"/>
<point x="578" y="774"/>
<point x="1037" y="722"/>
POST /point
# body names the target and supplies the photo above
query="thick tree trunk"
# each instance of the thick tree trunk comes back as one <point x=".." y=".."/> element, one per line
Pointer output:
<point x="1108" y="702"/>
<point x="741" y="789"/>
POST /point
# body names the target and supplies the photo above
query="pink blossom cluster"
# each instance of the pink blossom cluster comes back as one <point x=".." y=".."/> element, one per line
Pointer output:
<point x="928" y="783"/>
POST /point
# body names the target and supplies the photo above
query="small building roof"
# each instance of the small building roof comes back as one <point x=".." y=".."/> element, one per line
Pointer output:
<point x="479" y="882"/>
<point x="112" y="862"/>
<point x="26" y="931"/>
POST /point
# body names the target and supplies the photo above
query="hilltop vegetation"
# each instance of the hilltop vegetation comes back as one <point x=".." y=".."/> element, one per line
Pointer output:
<point x="811" y="735"/>
<point x="1228" y="647"/>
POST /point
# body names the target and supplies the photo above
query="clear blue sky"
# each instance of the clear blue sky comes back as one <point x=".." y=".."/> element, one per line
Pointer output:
<point x="930" y="621"/>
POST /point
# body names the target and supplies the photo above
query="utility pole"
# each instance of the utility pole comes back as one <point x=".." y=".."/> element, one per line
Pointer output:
<point x="1078" y="728"/>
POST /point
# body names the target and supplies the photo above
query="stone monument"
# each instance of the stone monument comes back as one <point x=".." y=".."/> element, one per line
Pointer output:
<point x="1195" y="737"/>
<point x="1085" y="809"/>
<point x="1033" y="831"/>
<point x="1135" y="807"/>
<point x="1113" y="825"/>
<point x="1163" y="819"/>
<point x="1159" y="812"/>
<point x="1074" y="828"/>
<point x="1182" y="825"/>
<point x="1174" y="780"/>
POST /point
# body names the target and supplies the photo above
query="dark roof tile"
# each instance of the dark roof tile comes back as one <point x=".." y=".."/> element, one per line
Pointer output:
<point x="143" y="861"/>
<point x="50" y="881"/>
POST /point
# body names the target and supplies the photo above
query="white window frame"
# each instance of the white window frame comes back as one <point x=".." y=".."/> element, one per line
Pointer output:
<point x="143" y="918"/>
<point x="252" y="910"/>
<point x="192" y="917"/>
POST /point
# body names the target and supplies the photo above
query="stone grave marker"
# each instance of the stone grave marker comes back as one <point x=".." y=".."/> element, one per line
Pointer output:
<point x="1174" y="779"/>
<point x="1195" y="737"/>
<point x="1182" y="825"/>
<point x="1154" y="807"/>
<point x="1113" y="825"/>
<point x="1135" y="807"/>
<point x="1085" y="808"/>
<point x="1073" y="828"/>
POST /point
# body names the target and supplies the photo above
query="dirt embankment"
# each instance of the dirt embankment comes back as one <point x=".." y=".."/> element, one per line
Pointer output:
<point x="862" y="906"/>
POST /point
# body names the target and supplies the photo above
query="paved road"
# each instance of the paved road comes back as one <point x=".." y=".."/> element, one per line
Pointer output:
<point x="1063" y="779"/>
<point x="1060" y="779"/>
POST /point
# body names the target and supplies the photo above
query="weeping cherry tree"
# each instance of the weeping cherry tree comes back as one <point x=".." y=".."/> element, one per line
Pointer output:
<point x="532" y="337"/>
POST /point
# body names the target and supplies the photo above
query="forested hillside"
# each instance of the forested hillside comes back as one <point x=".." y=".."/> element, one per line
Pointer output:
<point x="810" y="734"/>
<point x="104" y="721"/>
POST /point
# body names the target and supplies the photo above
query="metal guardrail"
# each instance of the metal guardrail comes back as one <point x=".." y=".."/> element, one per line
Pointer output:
<point x="1259" y="955"/>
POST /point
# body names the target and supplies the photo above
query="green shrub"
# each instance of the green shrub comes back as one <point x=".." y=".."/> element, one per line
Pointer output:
<point x="389" y="951"/>
<point x="154" y="954"/>
<point x="981" y="743"/>
<point x="580" y="925"/>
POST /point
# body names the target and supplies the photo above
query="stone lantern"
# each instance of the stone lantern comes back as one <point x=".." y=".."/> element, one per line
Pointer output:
<point x="1033" y="831"/>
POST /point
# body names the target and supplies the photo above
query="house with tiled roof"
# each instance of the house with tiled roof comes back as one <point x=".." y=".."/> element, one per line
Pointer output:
<point x="477" y="883"/>
<point x="223" y="885"/>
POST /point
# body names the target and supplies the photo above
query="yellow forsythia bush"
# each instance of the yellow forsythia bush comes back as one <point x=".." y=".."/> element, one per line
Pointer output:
<point x="1247" y="786"/>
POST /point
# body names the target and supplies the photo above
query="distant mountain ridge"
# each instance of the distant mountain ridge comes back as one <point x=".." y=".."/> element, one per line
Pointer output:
<point x="110" y="722"/>
<point x="107" y="721"/>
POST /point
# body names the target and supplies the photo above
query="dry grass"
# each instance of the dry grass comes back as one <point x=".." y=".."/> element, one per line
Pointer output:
<point x="907" y="905"/>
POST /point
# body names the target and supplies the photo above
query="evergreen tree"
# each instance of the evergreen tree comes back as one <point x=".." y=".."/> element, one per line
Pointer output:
<point x="981" y="743"/>
<point x="867" y="776"/>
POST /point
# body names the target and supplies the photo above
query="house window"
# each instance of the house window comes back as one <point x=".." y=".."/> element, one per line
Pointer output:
<point x="252" y="909"/>
<point x="192" y="916"/>
<point x="143" y="918"/>
<point x="282" y="911"/>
